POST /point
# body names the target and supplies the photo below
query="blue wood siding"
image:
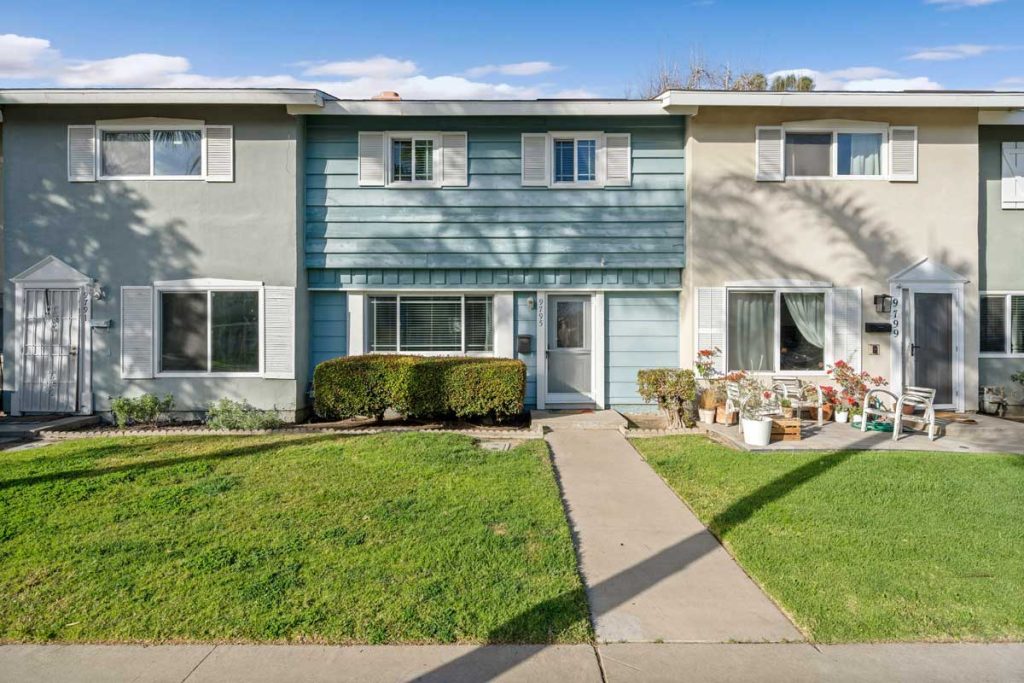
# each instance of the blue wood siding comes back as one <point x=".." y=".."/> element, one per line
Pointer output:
<point x="641" y="331"/>
<point x="495" y="222"/>
<point x="526" y="323"/>
<point x="328" y="336"/>
<point x="500" y="278"/>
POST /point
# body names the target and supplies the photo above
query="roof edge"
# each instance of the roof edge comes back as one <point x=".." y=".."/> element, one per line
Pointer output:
<point x="269" y="96"/>
<point x="924" y="98"/>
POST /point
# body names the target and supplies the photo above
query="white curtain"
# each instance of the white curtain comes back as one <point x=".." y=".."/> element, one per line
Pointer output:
<point x="808" y="312"/>
<point x="865" y="154"/>
<point x="751" y="331"/>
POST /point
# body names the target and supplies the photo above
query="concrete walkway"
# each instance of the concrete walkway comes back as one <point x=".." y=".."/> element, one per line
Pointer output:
<point x="615" y="663"/>
<point x="653" y="572"/>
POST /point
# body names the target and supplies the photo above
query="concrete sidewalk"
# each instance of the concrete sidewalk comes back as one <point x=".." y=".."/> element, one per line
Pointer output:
<point x="653" y="572"/>
<point x="625" y="663"/>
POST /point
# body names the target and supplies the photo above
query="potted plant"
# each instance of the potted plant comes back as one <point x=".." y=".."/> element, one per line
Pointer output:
<point x="708" y="401"/>
<point x="673" y="389"/>
<point x="756" y="403"/>
<point x="856" y="415"/>
<point x="843" y="408"/>
<point x="787" y="407"/>
<point x="853" y="386"/>
<point x="829" y="399"/>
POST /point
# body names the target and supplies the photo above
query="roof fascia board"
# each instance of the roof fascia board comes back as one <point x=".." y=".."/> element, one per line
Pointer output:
<point x="1001" y="118"/>
<point x="313" y="98"/>
<point x="980" y="100"/>
<point x="492" y="108"/>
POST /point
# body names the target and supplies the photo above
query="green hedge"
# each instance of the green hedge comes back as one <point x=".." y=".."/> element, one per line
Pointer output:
<point x="419" y="387"/>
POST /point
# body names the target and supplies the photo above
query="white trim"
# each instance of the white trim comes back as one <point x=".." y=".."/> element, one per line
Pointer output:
<point x="546" y="399"/>
<point x="439" y="292"/>
<point x="518" y="287"/>
<point x="184" y="286"/>
<point x="437" y="158"/>
<point x="1007" y="296"/>
<point x="835" y="128"/>
<point x="597" y="348"/>
<point x="356" y="307"/>
<point x="208" y="283"/>
<point x="280" y="96"/>
<point x="927" y="270"/>
<point x="84" y="356"/>
<point x="491" y="108"/>
<point x="828" y="352"/>
<point x="599" y="160"/>
<point x="778" y="282"/>
<point x="150" y="127"/>
<point x="541" y="347"/>
<point x="903" y="317"/>
<point x="503" y="324"/>
<point x="673" y="100"/>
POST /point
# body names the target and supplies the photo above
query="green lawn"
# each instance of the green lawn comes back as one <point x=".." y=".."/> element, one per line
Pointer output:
<point x="409" y="538"/>
<point x="865" y="546"/>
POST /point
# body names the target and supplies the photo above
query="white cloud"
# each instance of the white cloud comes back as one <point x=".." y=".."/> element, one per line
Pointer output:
<point x="948" y="53"/>
<point x="861" y="78"/>
<point x="517" y="69"/>
<point x="34" y="59"/>
<point x="130" y="70"/>
<point x="374" y="67"/>
<point x="24" y="57"/>
<point x="960" y="4"/>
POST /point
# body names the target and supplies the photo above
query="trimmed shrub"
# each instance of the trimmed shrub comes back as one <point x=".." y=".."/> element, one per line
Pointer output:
<point x="673" y="390"/>
<point x="239" y="415"/>
<point x="419" y="387"/>
<point x="145" y="409"/>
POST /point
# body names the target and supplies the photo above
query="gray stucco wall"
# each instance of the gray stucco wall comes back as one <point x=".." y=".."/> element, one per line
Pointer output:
<point x="136" y="232"/>
<point x="1001" y="240"/>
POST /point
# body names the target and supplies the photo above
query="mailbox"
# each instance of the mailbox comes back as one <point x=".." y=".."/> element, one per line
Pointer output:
<point x="878" y="328"/>
<point x="524" y="343"/>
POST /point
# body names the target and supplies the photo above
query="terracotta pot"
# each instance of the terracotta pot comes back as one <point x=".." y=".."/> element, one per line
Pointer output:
<point x="908" y="410"/>
<point x="788" y="412"/>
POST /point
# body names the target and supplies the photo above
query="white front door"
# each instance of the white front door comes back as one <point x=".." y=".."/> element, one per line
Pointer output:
<point x="51" y="326"/>
<point x="569" y="350"/>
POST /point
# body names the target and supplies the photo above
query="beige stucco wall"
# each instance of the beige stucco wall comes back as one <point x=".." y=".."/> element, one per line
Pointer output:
<point x="852" y="233"/>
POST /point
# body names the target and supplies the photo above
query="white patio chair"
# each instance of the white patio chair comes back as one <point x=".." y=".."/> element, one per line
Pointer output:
<point x="911" y="396"/>
<point x="733" y="400"/>
<point x="799" y="395"/>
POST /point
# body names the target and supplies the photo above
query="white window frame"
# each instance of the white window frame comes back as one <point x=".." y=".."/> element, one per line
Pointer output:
<point x="462" y="296"/>
<point x="828" y="351"/>
<point x="150" y="128"/>
<point x="1007" y="322"/>
<point x="599" y="161"/>
<point x="437" y="160"/>
<point x="209" y="287"/>
<point x="834" y="129"/>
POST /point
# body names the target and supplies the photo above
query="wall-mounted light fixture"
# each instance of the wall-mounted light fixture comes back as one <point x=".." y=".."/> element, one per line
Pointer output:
<point x="883" y="303"/>
<point x="531" y="303"/>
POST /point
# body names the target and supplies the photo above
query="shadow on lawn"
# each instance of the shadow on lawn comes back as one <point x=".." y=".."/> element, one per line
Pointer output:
<point x="485" y="663"/>
<point x="124" y="449"/>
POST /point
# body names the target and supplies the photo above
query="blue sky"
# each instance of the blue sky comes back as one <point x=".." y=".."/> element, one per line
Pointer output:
<point x="528" y="49"/>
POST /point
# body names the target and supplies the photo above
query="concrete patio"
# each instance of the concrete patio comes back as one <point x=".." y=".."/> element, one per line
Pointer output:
<point x="987" y="435"/>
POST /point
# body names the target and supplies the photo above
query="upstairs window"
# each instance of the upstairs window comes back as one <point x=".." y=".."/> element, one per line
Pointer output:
<point x="413" y="159"/>
<point x="1002" y="324"/>
<point x="151" y="153"/>
<point x="839" y="149"/>
<point x="834" y="154"/>
<point x="431" y="324"/>
<point x="575" y="159"/>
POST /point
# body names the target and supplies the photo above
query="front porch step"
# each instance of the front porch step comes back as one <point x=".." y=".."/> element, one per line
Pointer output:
<point x="560" y="420"/>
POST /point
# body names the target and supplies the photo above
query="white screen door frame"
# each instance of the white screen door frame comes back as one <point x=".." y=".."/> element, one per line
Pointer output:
<point x="596" y="329"/>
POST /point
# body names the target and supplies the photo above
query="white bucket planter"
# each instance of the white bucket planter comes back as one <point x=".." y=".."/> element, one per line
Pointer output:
<point x="842" y="416"/>
<point x="857" y="419"/>
<point x="707" y="416"/>
<point x="757" y="432"/>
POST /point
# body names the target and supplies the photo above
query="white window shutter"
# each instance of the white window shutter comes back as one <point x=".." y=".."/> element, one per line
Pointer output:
<point x="279" y="332"/>
<point x="846" y="332"/>
<point x="81" y="154"/>
<point x="220" y="154"/>
<point x="1013" y="175"/>
<point x="136" y="332"/>
<point x="903" y="154"/>
<point x="769" y="146"/>
<point x="371" y="159"/>
<point x="618" y="156"/>
<point x="535" y="159"/>
<point x="455" y="161"/>
<point x="711" y="322"/>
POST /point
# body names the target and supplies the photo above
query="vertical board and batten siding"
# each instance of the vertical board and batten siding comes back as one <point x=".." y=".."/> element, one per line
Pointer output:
<point x="328" y="316"/>
<point x="526" y="323"/>
<point x="641" y="332"/>
<point x="494" y="222"/>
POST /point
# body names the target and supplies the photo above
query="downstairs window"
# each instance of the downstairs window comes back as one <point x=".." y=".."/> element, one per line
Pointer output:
<point x="776" y="330"/>
<point x="430" y="324"/>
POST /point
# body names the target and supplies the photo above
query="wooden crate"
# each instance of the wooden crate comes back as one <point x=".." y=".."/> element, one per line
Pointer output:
<point x="785" y="429"/>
